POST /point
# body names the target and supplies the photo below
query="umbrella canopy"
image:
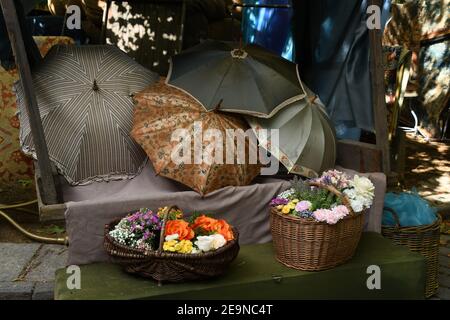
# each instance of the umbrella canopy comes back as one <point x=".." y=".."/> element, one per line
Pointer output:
<point x="307" y="140"/>
<point x="250" y="80"/>
<point x="84" y="94"/>
<point x="166" y="123"/>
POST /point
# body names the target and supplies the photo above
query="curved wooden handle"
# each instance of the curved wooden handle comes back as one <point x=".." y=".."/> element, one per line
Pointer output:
<point x="395" y="215"/>
<point x="163" y="227"/>
<point x="343" y="197"/>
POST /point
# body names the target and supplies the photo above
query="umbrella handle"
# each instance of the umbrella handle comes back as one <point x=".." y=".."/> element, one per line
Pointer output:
<point x="394" y="214"/>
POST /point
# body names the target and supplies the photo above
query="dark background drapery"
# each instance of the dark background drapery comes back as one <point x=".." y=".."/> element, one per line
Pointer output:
<point x="6" y="56"/>
<point x="332" y="50"/>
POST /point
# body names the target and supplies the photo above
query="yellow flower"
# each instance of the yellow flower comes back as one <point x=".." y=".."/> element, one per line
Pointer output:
<point x="280" y="207"/>
<point x="286" y="209"/>
<point x="161" y="211"/>
<point x="296" y="201"/>
<point x="184" y="246"/>
<point x="291" y="205"/>
<point x="170" y="245"/>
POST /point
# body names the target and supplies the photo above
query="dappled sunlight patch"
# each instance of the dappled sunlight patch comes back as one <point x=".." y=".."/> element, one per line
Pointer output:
<point x="422" y="169"/>
<point x="150" y="32"/>
<point x="428" y="169"/>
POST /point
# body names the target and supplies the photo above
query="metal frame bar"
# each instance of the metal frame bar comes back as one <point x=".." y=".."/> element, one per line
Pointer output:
<point x="48" y="179"/>
<point x="378" y="94"/>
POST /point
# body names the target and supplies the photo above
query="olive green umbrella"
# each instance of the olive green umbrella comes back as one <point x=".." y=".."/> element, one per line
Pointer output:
<point x="248" y="80"/>
<point x="307" y="140"/>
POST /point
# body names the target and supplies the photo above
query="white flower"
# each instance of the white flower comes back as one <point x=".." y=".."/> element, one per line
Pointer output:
<point x="212" y="242"/>
<point x="350" y="193"/>
<point x="363" y="186"/>
<point x="360" y="193"/>
<point x="195" y="250"/>
<point x="170" y="237"/>
<point x="286" y="194"/>
<point x="123" y="224"/>
<point x="357" y="205"/>
<point x="120" y="235"/>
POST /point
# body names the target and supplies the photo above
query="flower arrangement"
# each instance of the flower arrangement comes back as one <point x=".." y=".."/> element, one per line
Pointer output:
<point x="201" y="233"/>
<point x="138" y="230"/>
<point x="309" y="202"/>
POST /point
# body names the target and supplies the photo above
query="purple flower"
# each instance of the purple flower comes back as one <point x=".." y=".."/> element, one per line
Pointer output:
<point x="305" y="214"/>
<point x="133" y="217"/>
<point x="278" y="201"/>
<point x="303" y="206"/>
<point x="326" y="180"/>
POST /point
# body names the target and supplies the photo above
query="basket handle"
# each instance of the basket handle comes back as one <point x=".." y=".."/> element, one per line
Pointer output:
<point x="336" y="192"/>
<point x="395" y="215"/>
<point x="163" y="227"/>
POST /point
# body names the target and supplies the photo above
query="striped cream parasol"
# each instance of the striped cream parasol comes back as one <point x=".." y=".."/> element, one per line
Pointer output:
<point x="84" y="95"/>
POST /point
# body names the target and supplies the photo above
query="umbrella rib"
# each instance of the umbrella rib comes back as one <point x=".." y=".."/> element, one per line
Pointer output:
<point x="133" y="149"/>
<point x="220" y="83"/>
<point x="75" y="114"/>
<point x="286" y="102"/>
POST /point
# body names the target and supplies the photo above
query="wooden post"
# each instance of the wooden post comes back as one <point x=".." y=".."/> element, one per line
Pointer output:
<point x="378" y="93"/>
<point x="49" y="192"/>
<point x="183" y="18"/>
<point x="105" y="21"/>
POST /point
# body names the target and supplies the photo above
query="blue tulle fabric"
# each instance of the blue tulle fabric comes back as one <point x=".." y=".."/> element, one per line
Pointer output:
<point x="411" y="210"/>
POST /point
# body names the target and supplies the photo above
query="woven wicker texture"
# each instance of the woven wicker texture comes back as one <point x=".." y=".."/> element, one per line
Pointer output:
<point x="171" y="267"/>
<point x="306" y="244"/>
<point x="421" y="239"/>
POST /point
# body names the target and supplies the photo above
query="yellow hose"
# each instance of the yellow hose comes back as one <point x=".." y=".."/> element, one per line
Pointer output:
<point x="30" y="235"/>
<point x="17" y="205"/>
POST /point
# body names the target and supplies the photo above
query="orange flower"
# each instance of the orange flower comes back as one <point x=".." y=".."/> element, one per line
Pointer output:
<point x="204" y="222"/>
<point x="224" y="229"/>
<point x="180" y="227"/>
<point x="211" y="225"/>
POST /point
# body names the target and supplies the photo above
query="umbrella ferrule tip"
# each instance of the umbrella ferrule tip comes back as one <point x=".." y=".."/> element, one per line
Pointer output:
<point x="239" y="53"/>
<point x="95" y="86"/>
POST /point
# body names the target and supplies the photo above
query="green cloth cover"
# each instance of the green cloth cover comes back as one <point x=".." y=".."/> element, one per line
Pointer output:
<point x="255" y="274"/>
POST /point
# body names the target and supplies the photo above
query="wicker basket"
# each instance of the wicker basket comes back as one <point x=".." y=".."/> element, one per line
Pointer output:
<point x="306" y="244"/>
<point x="171" y="267"/>
<point x="422" y="239"/>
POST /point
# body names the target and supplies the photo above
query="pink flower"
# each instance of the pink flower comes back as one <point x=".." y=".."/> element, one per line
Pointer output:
<point x="322" y="214"/>
<point x="335" y="178"/>
<point x="340" y="211"/>
<point x="331" y="216"/>
<point x="303" y="206"/>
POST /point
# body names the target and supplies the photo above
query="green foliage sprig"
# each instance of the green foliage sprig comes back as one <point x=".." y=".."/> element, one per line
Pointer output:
<point x="319" y="198"/>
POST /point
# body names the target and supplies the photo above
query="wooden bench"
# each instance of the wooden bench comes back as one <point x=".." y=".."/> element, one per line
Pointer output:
<point x="255" y="274"/>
